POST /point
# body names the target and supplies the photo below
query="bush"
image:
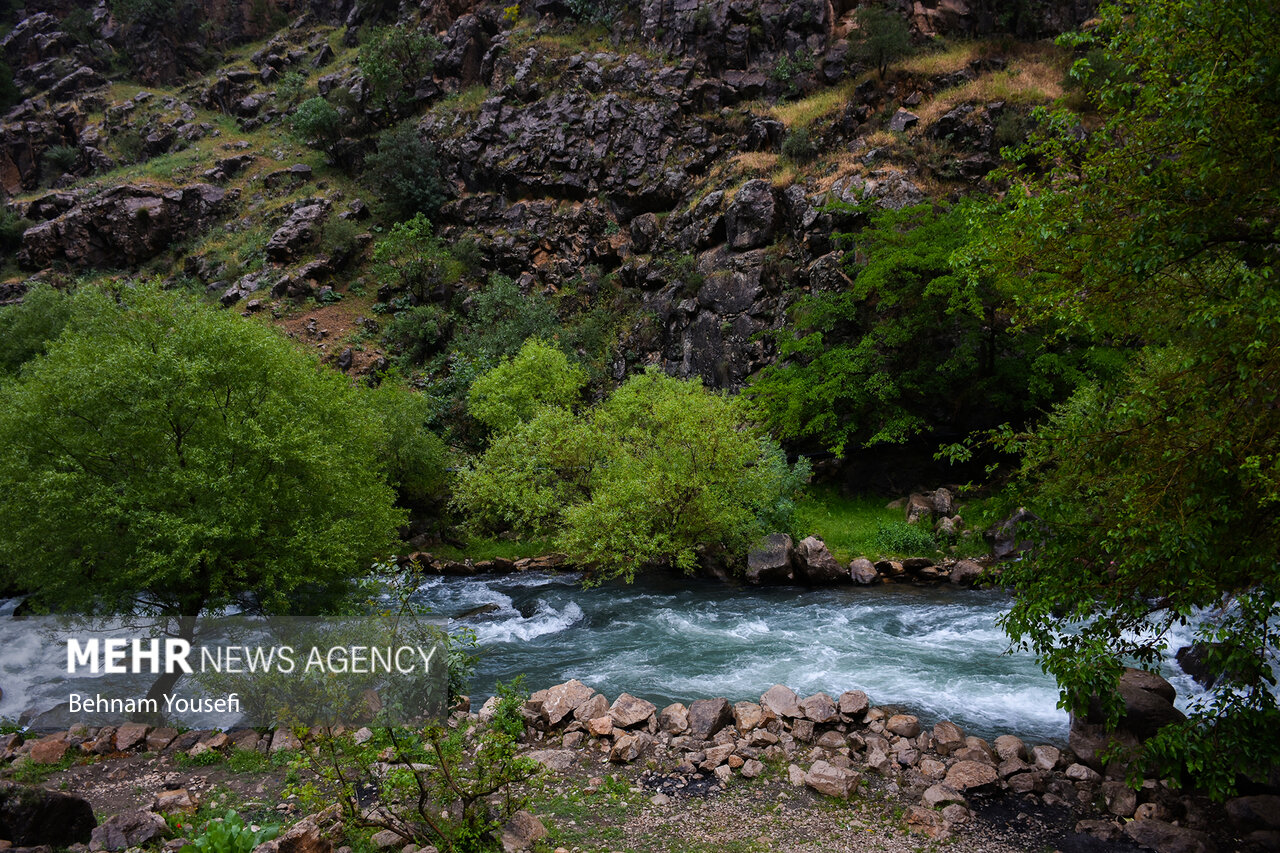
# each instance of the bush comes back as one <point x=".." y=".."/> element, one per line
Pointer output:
<point x="412" y="259"/>
<point x="799" y="146"/>
<point x="450" y="788"/>
<point x="27" y="329"/>
<point x="290" y="88"/>
<point x="9" y="94"/>
<point x="317" y="123"/>
<point x="59" y="160"/>
<point x="882" y="36"/>
<point x="900" y="538"/>
<point x="229" y="834"/>
<point x="661" y="473"/>
<point x="394" y="60"/>
<point x="417" y="460"/>
<point x="405" y="172"/>
<point x="539" y="375"/>
<point x="12" y="227"/>
<point x="417" y="333"/>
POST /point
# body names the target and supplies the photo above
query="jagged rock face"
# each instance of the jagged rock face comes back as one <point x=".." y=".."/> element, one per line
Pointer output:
<point x="730" y="34"/>
<point x="983" y="17"/>
<point x="120" y="227"/>
<point x="570" y="144"/>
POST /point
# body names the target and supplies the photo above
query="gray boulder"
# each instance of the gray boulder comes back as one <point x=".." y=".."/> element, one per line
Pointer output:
<point x="752" y="217"/>
<point x="772" y="562"/>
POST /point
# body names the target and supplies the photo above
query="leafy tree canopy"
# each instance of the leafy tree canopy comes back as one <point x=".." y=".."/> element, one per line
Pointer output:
<point x="539" y="375"/>
<point x="1159" y="232"/>
<point x="169" y="457"/>
<point x="882" y="36"/>
<point x="912" y="348"/>
<point x="405" y="172"/>
<point x="394" y="62"/>
<point x="661" y="473"/>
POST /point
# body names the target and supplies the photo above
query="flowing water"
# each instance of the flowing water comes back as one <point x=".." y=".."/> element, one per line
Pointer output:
<point x="935" y="650"/>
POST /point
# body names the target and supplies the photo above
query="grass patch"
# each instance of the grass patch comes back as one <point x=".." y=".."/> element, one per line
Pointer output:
<point x="849" y="525"/>
<point x="488" y="549"/>
<point x="1035" y="75"/>
<point x="468" y="101"/>
<point x="28" y="772"/>
<point x="948" y="59"/>
<point x="248" y="761"/>
<point x="806" y="111"/>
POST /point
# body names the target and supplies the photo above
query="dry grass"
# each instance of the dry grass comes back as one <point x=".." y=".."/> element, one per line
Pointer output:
<point x="806" y="111"/>
<point x="951" y="58"/>
<point x="1033" y="76"/>
<point x="755" y="162"/>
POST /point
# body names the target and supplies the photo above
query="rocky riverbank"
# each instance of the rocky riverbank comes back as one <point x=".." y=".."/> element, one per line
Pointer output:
<point x="818" y="764"/>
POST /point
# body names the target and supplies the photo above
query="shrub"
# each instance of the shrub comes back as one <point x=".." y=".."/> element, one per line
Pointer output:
<point x="59" y="160"/>
<point x="412" y="259"/>
<point x="12" y="227"/>
<point x="453" y="788"/>
<point x="417" y="333"/>
<point x="799" y="146"/>
<point x="417" y="460"/>
<point x="290" y="88"/>
<point x="317" y="123"/>
<point x="882" y="36"/>
<point x="27" y="329"/>
<point x="660" y="473"/>
<point x="898" y="537"/>
<point x="9" y="94"/>
<point x="406" y="173"/>
<point x="394" y="60"/>
<point x="229" y="834"/>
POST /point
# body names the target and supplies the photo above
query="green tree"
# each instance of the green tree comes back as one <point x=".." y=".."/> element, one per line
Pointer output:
<point x="406" y="173"/>
<point x="513" y="391"/>
<point x="412" y="259"/>
<point x="317" y="123"/>
<point x="1159" y="231"/>
<point x="417" y="459"/>
<point x="166" y="458"/>
<point x="660" y="474"/>
<point x="27" y="328"/>
<point x="882" y="36"/>
<point x="394" y="62"/>
<point x="911" y="348"/>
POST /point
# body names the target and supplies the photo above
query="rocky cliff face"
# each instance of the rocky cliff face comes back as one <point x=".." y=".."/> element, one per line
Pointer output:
<point x="695" y="162"/>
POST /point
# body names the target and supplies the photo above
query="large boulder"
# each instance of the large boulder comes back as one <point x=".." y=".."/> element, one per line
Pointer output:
<point x="1148" y="707"/>
<point x="708" y="716"/>
<point x="772" y="562"/>
<point x="815" y="565"/>
<point x="1015" y="534"/>
<point x="782" y="701"/>
<point x="752" y="217"/>
<point x="863" y="572"/>
<point x="628" y="711"/>
<point x="31" y="817"/>
<point x="1167" y="838"/>
<point x="830" y="780"/>
<point x="133" y="828"/>
<point x="122" y="226"/>
<point x="563" y="699"/>
<point x="298" y="231"/>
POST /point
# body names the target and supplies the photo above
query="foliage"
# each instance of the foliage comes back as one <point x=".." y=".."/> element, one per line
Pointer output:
<point x="881" y="37"/>
<point x="451" y="788"/>
<point x="789" y="66"/>
<point x="800" y="146"/>
<point x="502" y="318"/>
<point x="417" y="460"/>
<point x="9" y="94"/>
<point x="59" y="160"/>
<point x="150" y="12"/>
<point x="418" y="332"/>
<point x="912" y="348"/>
<point x="513" y="391"/>
<point x="898" y="537"/>
<point x="1160" y="486"/>
<point x="317" y="123"/>
<point x="599" y="12"/>
<point x="164" y="457"/>
<point x="12" y="227"/>
<point x="405" y="172"/>
<point x="413" y="260"/>
<point x="661" y="473"/>
<point x="29" y="327"/>
<point x="290" y="88"/>
<point x="229" y="834"/>
<point x="395" y="60"/>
